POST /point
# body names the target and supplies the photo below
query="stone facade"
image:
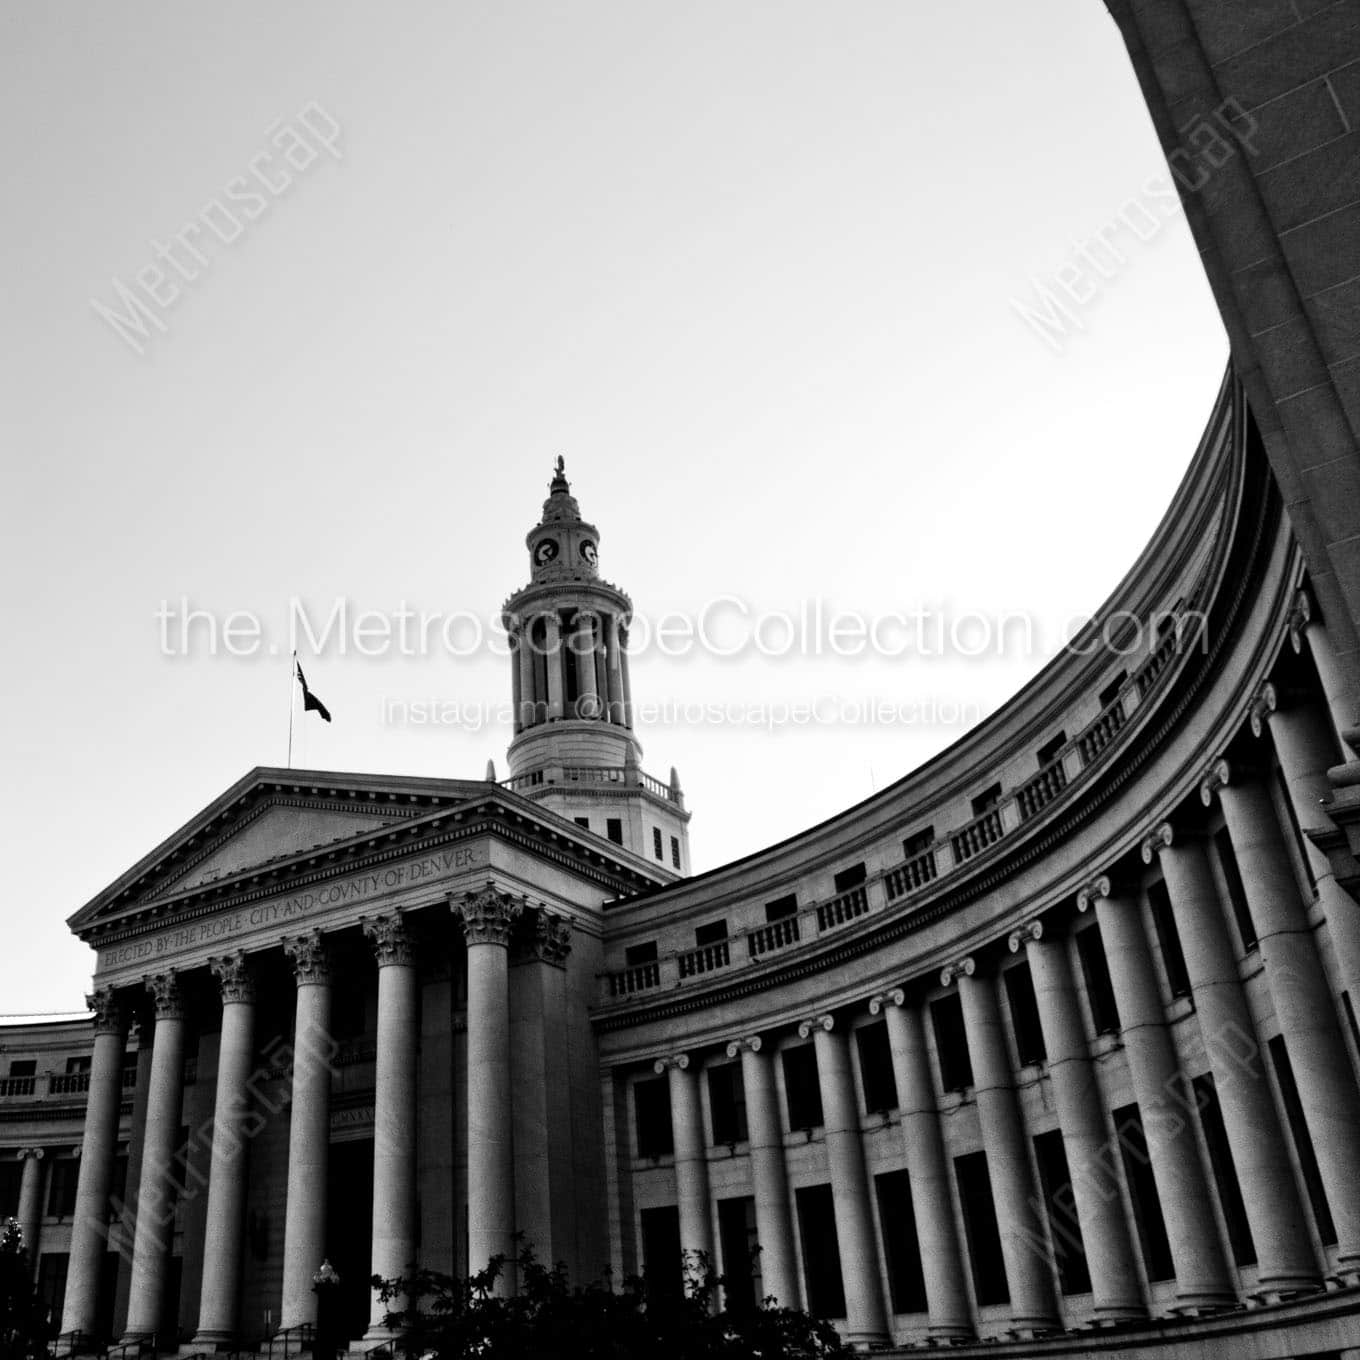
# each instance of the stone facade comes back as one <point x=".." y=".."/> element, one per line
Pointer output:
<point x="1050" y="1048"/>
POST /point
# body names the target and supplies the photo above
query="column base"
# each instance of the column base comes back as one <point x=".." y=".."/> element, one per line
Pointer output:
<point x="1117" y="1314"/>
<point x="209" y="1341"/>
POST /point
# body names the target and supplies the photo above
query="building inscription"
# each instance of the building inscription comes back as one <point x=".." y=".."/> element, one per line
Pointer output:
<point x="287" y="910"/>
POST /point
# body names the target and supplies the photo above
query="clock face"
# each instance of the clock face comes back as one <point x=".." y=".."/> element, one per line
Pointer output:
<point x="545" y="552"/>
<point x="588" y="552"/>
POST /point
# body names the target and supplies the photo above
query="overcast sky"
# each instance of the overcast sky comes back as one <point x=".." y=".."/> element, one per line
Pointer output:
<point x="750" y="268"/>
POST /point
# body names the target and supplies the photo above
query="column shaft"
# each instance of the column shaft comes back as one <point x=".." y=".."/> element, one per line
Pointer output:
<point x="613" y="669"/>
<point x="1023" y="1244"/>
<point x="491" y="1169"/>
<point x="155" y="1227"/>
<point x="517" y="685"/>
<point x="395" y="1116"/>
<point x="1202" y="1275"/>
<point x="309" y="1136"/>
<point x="774" y="1223"/>
<point x="89" y="1227"/>
<point x="1285" y="1259"/>
<point x="529" y="1074"/>
<point x="224" y="1234"/>
<point x="553" y="658"/>
<point x="583" y="655"/>
<point x="1081" y="1116"/>
<point x="30" y="1203"/>
<point x="1303" y="1003"/>
<point x="1342" y="704"/>
<point x="866" y="1316"/>
<point x="927" y="1171"/>
<point x="691" y="1167"/>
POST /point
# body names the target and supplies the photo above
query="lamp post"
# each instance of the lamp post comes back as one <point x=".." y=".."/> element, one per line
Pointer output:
<point x="325" y="1285"/>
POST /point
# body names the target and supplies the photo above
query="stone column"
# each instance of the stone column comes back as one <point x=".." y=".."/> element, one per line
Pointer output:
<point x="1301" y="994"/>
<point x="691" y="1167"/>
<point x="774" y="1223"/>
<point x="1203" y="1278"/>
<point x="309" y="1131"/>
<point x="487" y="918"/>
<point x="30" y="1202"/>
<point x="542" y="1112"/>
<point x="624" y="677"/>
<point x="155" y="1228"/>
<point x="1285" y="1262"/>
<point x="530" y="698"/>
<point x="614" y="668"/>
<point x="517" y="683"/>
<point x="1306" y="627"/>
<point x="1116" y="1293"/>
<point x="865" y="1314"/>
<point x="223" y="1236"/>
<point x="90" y="1226"/>
<point x="1023" y="1244"/>
<point x="583" y="657"/>
<point x="394" y="1113"/>
<point x="552" y="661"/>
<point x="1307" y="747"/>
<point x="927" y="1169"/>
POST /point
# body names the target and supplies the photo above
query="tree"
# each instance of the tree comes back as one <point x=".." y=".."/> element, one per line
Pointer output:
<point x="548" y="1319"/>
<point x="23" y="1328"/>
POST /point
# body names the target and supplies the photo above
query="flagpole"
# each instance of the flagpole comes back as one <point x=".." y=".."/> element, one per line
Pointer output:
<point x="292" y="686"/>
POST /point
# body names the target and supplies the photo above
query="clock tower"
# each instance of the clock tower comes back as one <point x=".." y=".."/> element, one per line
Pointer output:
<point x="574" y="746"/>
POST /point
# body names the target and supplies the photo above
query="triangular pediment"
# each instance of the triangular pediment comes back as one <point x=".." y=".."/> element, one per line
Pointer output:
<point x="270" y="817"/>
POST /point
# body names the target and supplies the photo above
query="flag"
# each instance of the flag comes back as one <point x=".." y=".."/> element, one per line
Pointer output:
<point x="309" y="700"/>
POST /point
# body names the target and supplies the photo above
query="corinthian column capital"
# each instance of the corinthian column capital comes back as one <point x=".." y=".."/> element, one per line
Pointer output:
<point x="311" y="964"/>
<point x="234" y="978"/>
<point x="488" y="915"/>
<point x="164" y="988"/>
<point x="108" y="1014"/>
<point x="391" y="940"/>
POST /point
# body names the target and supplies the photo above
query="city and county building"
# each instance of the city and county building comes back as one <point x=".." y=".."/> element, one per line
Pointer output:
<point x="1050" y="1048"/>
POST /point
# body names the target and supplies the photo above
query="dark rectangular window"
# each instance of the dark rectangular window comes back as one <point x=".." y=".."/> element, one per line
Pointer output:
<point x="980" y="1229"/>
<point x="652" y="1108"/>
<point x="1048" y="752"/>
<point x="727" y="1103"/>
<point x="986" y="800"/>
<point x="1147" y="1203"/>
<point x="1237" y="894"/>
<point x="1224" y="1169"/>
<point x="1169" y="937"/>
<point x="658" y="848"/>
<point x="781" y="908"/>
<point x="802" y="1093"/>
<point x="637" y="954"/>
<point x="1303" y="1140"/>
<point x="81" y="1064"/>
<point x="901" y="1249"/>
<point x="849" y="878"/>
<point x="821" y="1251"/>
<point x="951" y="1043"/>
<point x="1095" y="971"/>
<point x="61" y="1188"/>
<point x="662" y="1267"/>
<point x="918" y="842"/>
<point x="740" y="1258"/>
<point x="675" y="852"/>
<point x="876" y="1067"/>
<point x="52" y="1282"/>
<point x="582" y="821"/>
<point x="1029" y="1034"/>
<point x="1293" y="819"/>
<point x="1055" y="1180"/>
<point x="613" y="828"/>
<point x="11" y="1179"/>
<point x="23" y="1067"/>
<point x="1111" y="691"/>
<point x="714" y="932"/>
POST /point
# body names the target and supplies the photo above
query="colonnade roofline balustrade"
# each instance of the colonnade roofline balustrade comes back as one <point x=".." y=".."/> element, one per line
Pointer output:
<point x="756" y="942"/>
